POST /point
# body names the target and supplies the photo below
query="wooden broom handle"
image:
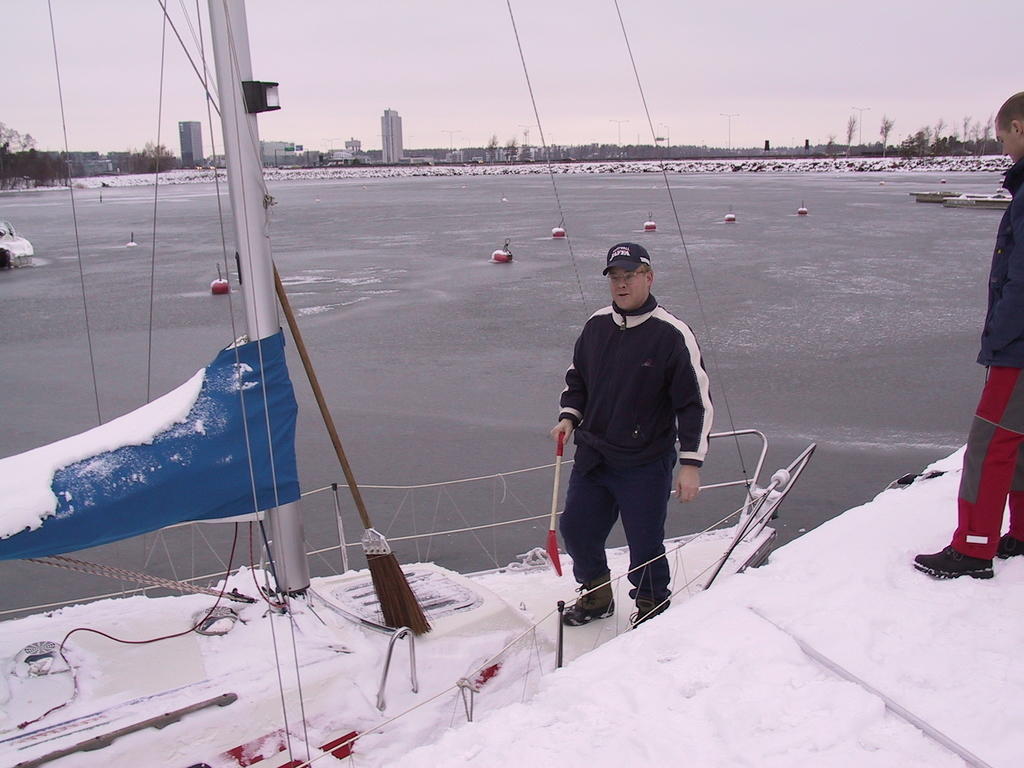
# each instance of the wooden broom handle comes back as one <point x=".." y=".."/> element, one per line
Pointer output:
<point x="319" y="395"/>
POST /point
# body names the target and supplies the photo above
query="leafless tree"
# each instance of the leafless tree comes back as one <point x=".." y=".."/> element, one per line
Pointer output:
<point x="851" y="126"/>
<point x="939" y="125"/>
<point x="16" y="141"/>
<point x="885" y="130"/>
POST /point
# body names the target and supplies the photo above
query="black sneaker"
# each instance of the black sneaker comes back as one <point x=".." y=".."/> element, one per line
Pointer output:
<point x="950" y="564"/>
<point x="595" y="602"/>
<point x="647" y="608"/>
<point x="1009" y="547"/>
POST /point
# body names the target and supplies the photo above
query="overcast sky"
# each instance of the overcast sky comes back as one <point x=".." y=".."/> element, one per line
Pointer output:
<point x="789" y="69"/>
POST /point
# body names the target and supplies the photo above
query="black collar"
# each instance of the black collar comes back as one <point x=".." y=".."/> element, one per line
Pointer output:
<point x="1014" y="177"/>
<point x="646" y="308"/>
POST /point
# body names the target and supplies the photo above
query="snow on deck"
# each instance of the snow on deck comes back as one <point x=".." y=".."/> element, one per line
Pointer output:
<point x="715" y="684"/>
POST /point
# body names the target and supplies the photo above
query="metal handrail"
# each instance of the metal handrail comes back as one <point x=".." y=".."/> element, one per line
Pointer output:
<point x="396" y="635"/>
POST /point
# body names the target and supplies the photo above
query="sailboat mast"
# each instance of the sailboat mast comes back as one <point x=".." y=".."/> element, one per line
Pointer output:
<point x="230" y="40"/>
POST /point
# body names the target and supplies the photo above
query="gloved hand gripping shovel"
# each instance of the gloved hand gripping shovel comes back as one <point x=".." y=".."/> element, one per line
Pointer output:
<point x="556" y="561"/>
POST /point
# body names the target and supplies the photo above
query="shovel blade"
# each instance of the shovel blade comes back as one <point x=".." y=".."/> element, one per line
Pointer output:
<point x="556" y="561"/>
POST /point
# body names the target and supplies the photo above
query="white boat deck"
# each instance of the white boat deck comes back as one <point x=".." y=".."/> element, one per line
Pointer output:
<point x="483" y="628"/>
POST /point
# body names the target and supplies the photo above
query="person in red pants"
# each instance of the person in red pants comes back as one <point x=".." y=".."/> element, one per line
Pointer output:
<point x="993" y="469"/>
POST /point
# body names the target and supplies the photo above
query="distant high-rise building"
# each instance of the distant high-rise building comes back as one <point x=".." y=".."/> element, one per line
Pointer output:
<point x="391" y="136"/>
<point x="191" y="135"/>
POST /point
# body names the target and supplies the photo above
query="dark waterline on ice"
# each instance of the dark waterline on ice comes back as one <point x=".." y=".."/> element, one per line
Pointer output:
<point x="855" y="327"/>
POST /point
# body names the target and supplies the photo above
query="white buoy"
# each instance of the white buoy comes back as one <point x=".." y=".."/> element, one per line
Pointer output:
<point x="801" y="211"/>
<point x="131" y="241"/>
<point x="557" y="232"/>
<point x="942" y="181"/>
<point x="730" y="217"/>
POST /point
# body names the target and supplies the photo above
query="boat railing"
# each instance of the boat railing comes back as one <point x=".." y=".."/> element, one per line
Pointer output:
<point x="752" y="499"/>
<point x="749" y="483"/>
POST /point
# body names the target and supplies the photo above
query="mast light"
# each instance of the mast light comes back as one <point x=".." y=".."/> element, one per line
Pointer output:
<point x="260" y="96"/>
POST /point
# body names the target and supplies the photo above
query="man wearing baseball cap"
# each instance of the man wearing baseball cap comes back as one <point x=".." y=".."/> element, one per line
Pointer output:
<point x="636" y="385"/>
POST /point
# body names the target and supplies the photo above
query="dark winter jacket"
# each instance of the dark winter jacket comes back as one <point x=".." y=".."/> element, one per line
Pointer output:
<point x="1002" y="340"/>
<point x="637" y="379"/>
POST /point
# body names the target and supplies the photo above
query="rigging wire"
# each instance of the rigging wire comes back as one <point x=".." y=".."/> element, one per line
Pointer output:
<point x="268" y="200"/>
<point x="188" y="54"/>
<point x="254" y="147"/>
<point x="207" y="85"/>
<point x="547" y="154"/>
<point x="74" y="216"/>
<point x="682" y="239"/>
<point x="156" y="197"/>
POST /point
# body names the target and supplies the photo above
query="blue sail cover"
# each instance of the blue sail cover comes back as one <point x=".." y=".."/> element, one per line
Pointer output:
<point x="198" y="469"/>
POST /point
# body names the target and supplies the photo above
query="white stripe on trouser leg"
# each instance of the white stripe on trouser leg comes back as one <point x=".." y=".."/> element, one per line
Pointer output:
<point x="977" y="539"/>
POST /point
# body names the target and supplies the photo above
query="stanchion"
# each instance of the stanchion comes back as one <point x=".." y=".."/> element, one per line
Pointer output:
<point x="561" y="630"/>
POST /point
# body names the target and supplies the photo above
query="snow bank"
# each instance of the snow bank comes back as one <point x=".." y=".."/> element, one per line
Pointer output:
<point x="712" y="683"/>
<point x="989" y="164"/>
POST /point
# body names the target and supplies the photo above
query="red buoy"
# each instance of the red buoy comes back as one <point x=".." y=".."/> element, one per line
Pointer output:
<point x="502" y="255"/>
<point x="220" y="285"/>
<point x="650" y="226"/>
<point x="730" y="217"/>
<point x="557" y="232"/>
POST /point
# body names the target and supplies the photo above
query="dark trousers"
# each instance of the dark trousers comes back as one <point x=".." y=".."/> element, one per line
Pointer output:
<point x="639" y="495"/>
<point x="993" y="466"/>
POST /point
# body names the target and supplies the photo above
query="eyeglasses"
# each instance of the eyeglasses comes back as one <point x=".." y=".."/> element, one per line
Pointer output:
<point x="625" y="277"/>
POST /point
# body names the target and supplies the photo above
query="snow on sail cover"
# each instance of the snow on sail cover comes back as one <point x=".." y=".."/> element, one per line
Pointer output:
<point x="185" y="456"/>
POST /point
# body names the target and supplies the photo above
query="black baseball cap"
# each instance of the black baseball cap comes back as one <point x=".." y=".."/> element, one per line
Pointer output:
<point x="627" y="256"/>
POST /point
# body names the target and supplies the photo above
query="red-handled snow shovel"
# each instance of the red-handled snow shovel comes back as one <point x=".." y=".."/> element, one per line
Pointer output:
<point x="556" y="561"/>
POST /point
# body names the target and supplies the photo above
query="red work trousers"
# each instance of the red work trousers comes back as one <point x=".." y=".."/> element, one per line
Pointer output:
<point x="993" y="466"/>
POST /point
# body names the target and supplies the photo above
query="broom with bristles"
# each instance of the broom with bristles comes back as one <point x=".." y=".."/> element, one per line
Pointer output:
<point x="397" y="601"/>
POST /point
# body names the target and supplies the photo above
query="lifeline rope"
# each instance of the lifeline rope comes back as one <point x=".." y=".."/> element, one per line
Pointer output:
<point x="897" y="709"/>
<point x="74" y="216"/>
<point x="147" y="641"/>
<point x="460" y="684"/>
<point x="123" y="574"/>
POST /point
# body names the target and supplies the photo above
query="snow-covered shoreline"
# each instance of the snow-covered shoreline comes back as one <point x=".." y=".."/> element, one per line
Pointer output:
<point x="986" y="164"/>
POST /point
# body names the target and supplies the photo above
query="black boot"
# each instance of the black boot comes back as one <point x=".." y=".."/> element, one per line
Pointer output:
<point x="646" y="608"/>
<point x="594" y="602"/>
<point x="1009" y="547"/>
<point x="950" y="564"/>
